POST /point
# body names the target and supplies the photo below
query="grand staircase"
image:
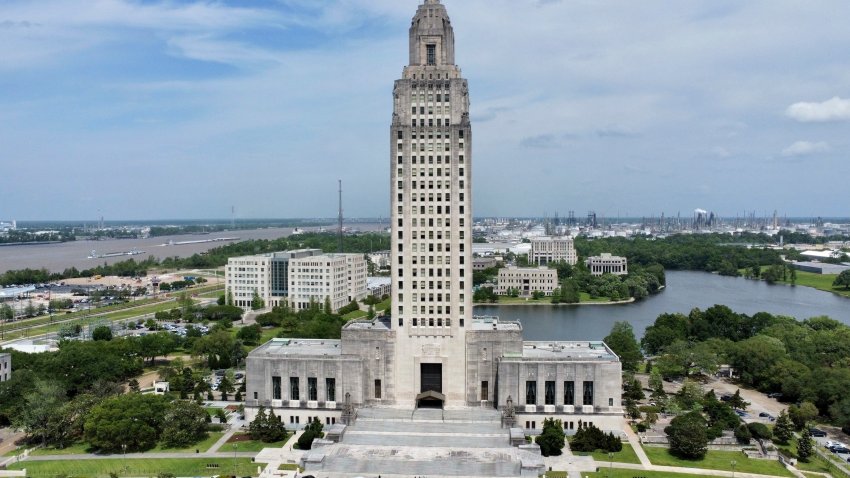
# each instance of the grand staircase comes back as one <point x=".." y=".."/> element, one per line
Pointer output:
<point x="424" y="442"/>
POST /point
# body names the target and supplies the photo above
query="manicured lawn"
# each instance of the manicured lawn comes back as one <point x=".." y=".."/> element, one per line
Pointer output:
<point x="815" y="463"/>
<point x="83" y="448"/>
<point x="357" y="314"/>
<point x="817" y="281"/>
<point x="718" y="460"/>
<point x="138" y="467"/>
<point x="626" y="455"/>
<point x="74" y="449"/>
<point x="251" y="445"/>
<point x="617" y="473"/>
<point x="202" y="446"/>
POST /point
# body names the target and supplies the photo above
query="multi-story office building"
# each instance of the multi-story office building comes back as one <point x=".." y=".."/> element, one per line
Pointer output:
<point x="546" y="250"/>
<point x="5" y="367"/>
<point x="339" y="278"/>
<point x="527" y="280"/>
<point x="607" y="264"/>
<point x="265" y="274"/>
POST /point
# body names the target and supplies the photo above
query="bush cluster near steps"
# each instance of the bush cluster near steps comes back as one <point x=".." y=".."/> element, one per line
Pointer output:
<point x="590" y="439"/>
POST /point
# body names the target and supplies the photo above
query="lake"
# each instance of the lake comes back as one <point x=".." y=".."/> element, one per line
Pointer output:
<point x="685" y="291"/>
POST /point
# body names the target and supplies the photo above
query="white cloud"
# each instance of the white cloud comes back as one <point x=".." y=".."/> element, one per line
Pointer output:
<point x="720" y="152"/>
<point x="835" y="109"/>
<point x="805" y="148"/>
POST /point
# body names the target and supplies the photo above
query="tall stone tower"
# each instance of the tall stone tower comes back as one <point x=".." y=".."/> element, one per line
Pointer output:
<point x="431" y="184"/>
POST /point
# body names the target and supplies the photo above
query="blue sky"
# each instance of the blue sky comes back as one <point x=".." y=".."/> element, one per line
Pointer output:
<point x="180" y="109"/>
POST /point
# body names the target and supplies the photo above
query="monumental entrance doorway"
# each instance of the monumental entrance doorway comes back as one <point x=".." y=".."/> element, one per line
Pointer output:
<point x="431" y="379"/>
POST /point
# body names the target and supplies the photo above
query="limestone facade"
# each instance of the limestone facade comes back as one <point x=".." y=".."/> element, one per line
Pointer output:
<point x="527" y="280"/>
<point x="298" y="277"/>
<point x="607" y="264"/>
<point x="430" y="349"/>
<point x="546" y="250"/>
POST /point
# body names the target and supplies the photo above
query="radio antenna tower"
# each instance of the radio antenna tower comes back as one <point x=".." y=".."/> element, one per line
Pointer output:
<point x="339" y="229"/>
<point x="233" y="217"/>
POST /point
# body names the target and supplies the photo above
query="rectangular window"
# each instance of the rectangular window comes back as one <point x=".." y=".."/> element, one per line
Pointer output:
<point x="378" y="389"/>
<point x="569" y="393"/>
<point x="312" y="389"/>
<point x="330" y="388"/>
<point x="276" y="388"/>
<point x="293" y="389"/>
<point x="531" y="392"/>
<point x="588" y="393"/>
<point x="550" y="393"/>
<point x="485" y="389"/>
<point x="432" y="54"/>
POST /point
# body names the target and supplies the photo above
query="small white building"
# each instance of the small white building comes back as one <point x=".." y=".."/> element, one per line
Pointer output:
<point x="5" y="367"/>
<point x="379" y="286"/>
<point x="527" y="280"/>
<point x="546" y="250"/>
<point x="607" y="264"/>
<point x="161" y="388"/>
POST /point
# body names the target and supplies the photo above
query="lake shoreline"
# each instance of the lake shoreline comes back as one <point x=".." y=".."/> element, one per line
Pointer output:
<point x="532" y="303"/>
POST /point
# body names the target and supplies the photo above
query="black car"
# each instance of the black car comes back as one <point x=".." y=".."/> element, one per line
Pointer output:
<point x="764" y="415"/>
<point x="817" y="432"/>
<point x="839" y="449"/>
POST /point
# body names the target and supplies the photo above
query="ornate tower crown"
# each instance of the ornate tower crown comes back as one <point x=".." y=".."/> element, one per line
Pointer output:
<point x="432" y="40"/>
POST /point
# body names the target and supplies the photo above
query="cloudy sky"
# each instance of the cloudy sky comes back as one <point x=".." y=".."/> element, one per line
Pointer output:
<point x="180" y="109"/>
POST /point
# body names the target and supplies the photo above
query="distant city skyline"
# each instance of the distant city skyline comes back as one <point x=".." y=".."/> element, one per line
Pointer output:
<point x="138" y="110"/>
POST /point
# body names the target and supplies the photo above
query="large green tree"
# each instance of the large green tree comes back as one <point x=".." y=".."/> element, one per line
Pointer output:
<point x="623" y="342"/>
<point x="687" y="436"/>
<point x="843" y="279"/>
<point x="133" y="420"/>
<point x="184" y="423"/>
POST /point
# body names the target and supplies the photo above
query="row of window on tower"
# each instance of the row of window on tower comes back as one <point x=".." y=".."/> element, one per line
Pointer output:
<point x="423" y="97"/>
<point x="431" y="133"/>
<point x="430" y="159"/>
<point x="312" y="389"/>
<point x="531" y="393"/>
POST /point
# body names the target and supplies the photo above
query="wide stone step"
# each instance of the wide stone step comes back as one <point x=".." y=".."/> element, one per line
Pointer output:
<point x="470" y="414"/>
<point x="427" y="468"/>
<point x="426" y="440"/>
<point x="426" y="427"/>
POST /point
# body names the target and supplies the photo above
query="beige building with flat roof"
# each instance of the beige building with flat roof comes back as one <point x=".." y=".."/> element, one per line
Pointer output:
<point x="5" y="367"/>
<point x="341" y="278"/>
<point x="549" y="249"/>
<point x="527" y="280"/>
<point x="607" y="264"/>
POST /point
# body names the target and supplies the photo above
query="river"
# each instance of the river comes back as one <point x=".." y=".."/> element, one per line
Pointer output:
<point x="685" y="291"/>
<point x="58" y="257"/>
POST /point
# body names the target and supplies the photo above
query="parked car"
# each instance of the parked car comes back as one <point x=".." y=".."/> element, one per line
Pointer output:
<point x="840" y="449"/>
<point x="774" y="395"/>
<point x="764" y="415"/>
<point x="817" y="432"/>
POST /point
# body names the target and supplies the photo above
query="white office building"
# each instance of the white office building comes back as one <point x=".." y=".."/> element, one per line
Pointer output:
<point x="340" y="278"/>
<point x="546" y="250"/>
<point x="607" y="264"/>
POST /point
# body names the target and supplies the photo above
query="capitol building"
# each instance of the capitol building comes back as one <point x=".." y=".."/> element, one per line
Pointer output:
<point x="431" y="364"/>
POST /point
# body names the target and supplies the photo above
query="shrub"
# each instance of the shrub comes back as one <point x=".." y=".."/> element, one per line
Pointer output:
<point x="760" y="431"/>
<point x="590" y="438"/>
<point x="688" y="436"/>
<point x="551" y="441"/>
<point x="305" y="441"/>
<point x="742" y="434"/>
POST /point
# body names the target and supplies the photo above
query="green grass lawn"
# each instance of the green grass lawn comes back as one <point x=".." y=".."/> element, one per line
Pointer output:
<point x="138" y="467"/>
<point x="817" y="281"/>
<point x="718" y="460"/>
<point x="251" y="445"/>
<point x="815" y="463"/>
<point x="618" y="473"/>
<point x="202" y="446"/>
<point x="83" y="448"/>
<point x="357" y="314"/>
<point x="626" y="455"/>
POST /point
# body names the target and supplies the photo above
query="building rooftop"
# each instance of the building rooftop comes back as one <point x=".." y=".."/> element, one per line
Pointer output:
<point x="578" y="351"/>
<point x="493" y="323"/>
<point x="379" y="323"/>
<point x="378" y="281"/>
<point x="298" y="347"/>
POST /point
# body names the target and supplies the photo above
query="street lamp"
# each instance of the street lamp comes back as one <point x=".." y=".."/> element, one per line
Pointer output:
<point x="733" y="463"/>
<point x="610" y="463"/>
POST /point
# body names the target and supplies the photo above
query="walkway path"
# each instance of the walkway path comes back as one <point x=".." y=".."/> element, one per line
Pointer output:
<point x="634" y="441"/>
<point x="221" y="441"/>
<point x="140" y="456"/>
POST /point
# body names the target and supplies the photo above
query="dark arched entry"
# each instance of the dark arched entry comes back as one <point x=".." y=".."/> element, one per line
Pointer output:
<point x="430" y="399"/>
